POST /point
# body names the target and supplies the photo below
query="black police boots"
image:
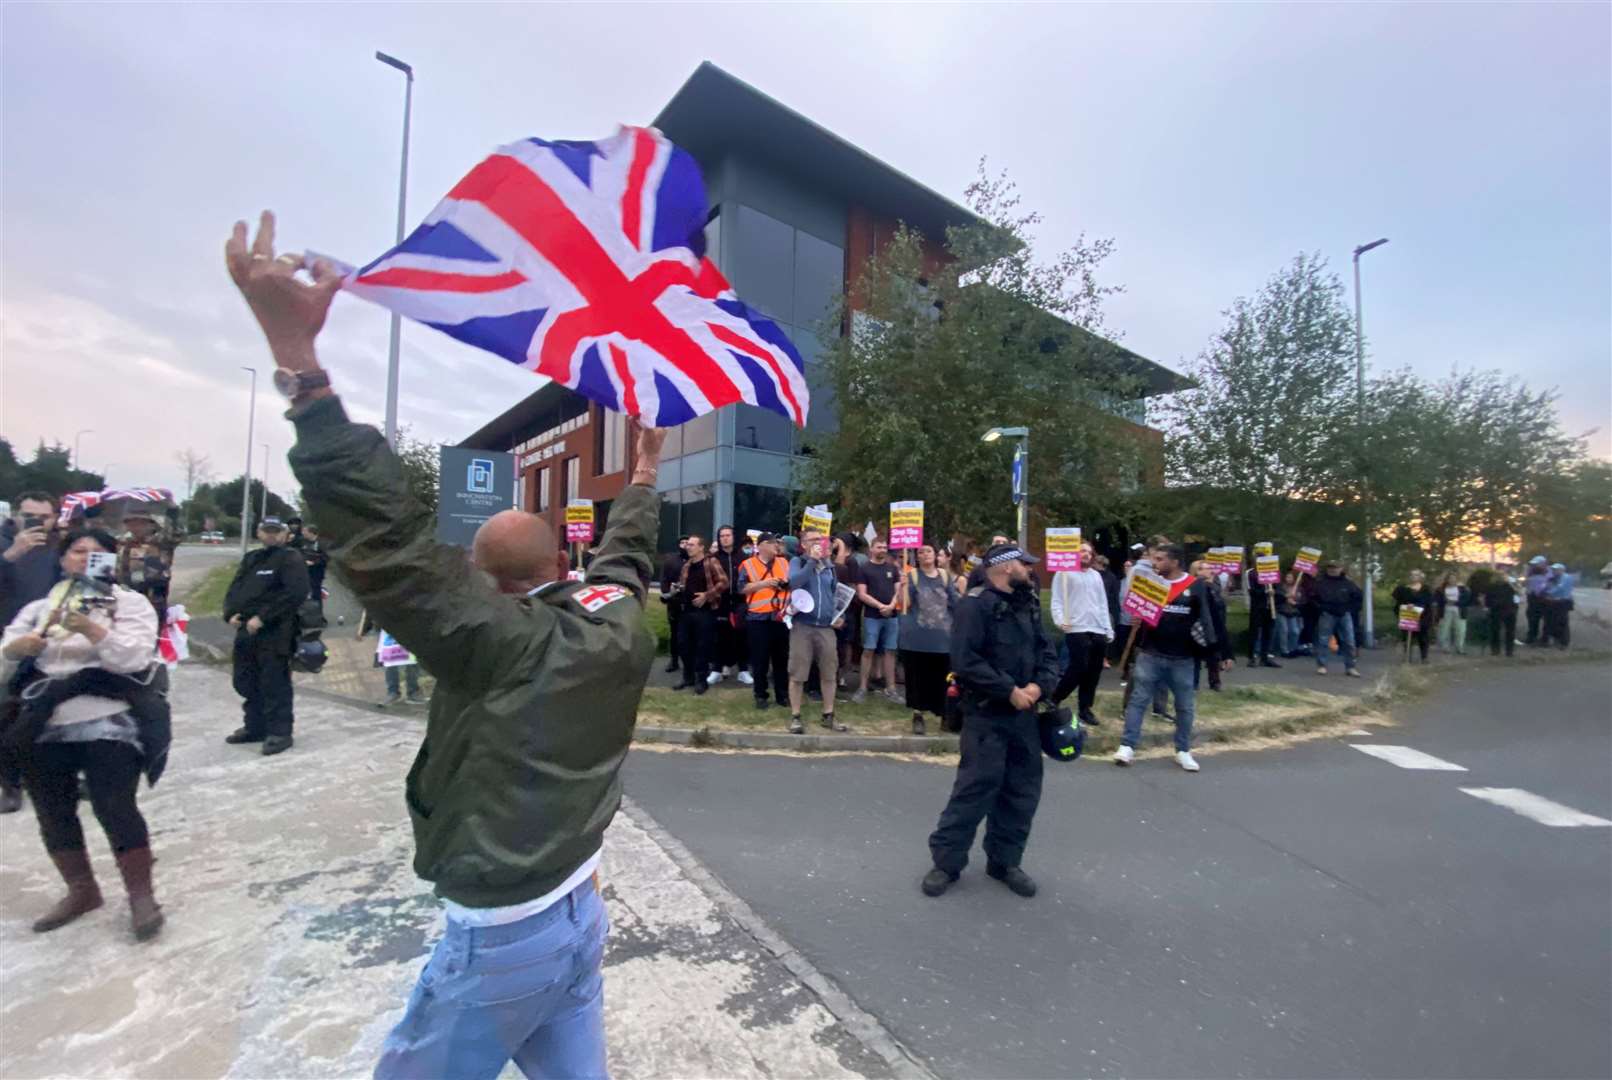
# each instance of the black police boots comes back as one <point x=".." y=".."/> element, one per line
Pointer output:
<point x="1013" y="878"/>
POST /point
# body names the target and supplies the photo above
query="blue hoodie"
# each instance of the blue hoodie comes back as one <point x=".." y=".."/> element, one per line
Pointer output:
<point x="820" y="582"/>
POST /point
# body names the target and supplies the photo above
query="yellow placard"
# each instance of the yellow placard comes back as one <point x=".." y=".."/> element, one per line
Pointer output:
<point x="578" y="511"/>
<point x="817" y="517"/>
<point x="1152" y="589"/>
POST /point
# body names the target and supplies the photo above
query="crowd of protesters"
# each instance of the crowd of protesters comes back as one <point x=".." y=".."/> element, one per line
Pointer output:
<point x="731" y="616"/>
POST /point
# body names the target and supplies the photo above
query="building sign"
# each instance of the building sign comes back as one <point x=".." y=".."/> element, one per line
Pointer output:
<point x="472" y="486"/>
<point x="906" y="525"/>
<point x="579" y="521"/>
<point x="528" y="460"/>
<point x="1063" y="549"/>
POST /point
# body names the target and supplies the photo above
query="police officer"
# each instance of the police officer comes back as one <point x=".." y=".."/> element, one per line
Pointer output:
<point x="1005" y="663"/>
<point x="262" y="605"/>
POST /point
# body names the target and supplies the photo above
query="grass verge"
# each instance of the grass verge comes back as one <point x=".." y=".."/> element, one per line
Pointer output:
<point x="207" y="597"/>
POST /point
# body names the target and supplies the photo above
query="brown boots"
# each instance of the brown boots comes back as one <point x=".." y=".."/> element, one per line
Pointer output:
<point x="145" y="917"/>
<point x="84" y="896"/>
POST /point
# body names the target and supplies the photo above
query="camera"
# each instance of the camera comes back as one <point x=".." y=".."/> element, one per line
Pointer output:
<point x="35" y="521"/>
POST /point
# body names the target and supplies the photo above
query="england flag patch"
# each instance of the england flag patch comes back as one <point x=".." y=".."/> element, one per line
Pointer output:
<point x="597" y="596"/>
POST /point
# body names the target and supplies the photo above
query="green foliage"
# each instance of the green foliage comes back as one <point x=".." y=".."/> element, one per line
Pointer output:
<point x="942" y="349"/>
<point x="1571" y="518"/>
<point x="422" y="461"/>
<point x="50" y="471"/>
<point x="223" y="501"/>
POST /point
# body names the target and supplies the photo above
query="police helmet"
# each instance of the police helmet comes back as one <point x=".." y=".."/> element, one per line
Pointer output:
<point x="1061" y="738"/>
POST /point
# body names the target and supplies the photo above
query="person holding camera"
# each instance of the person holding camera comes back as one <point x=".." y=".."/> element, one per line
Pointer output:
<point x="262" y="604"/>
<point x="85" y="622"/>
<point x="28" y="569"/>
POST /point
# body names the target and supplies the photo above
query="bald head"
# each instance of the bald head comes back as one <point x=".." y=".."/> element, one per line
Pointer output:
<point x="518" y="549"/>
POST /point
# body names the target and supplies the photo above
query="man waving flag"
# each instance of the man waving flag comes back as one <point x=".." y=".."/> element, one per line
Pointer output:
<point x="585" y="262"/>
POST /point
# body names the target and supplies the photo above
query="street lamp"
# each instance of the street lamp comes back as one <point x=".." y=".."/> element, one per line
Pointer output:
<point x="1021" y="475"/>
<point x="402" y="200"/>
<point x="265" y="511"/>
<point x="80" y="435"/>
<point x="246" y="478"/>
<point x="1368" y="634"/>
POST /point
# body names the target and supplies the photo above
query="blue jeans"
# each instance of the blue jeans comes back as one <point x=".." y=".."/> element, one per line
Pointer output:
<point x="881" y="635"/>
<point x="413" y="680"/>
<point x="530" y="990"/>
<point x="1295" y="630"/>
<point x="1344" y="627"/>
<point x="1151" y="674"/>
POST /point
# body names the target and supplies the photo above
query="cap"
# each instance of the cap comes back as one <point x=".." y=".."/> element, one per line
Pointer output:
<point x="273" y="524"/>
<point x="767" y="538"/>
<point x="1138" y="547"/>
<point x="1537" y="560"/>
<point x="997" y="554"/>
<point x="1557" y="566"/>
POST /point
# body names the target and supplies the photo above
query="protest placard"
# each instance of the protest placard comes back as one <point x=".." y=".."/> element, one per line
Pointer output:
<point x="390" y="653"/>
<point x="1147" y="596"/>
<point x="1063" y="549"/>
<point x="1410" y="617"/>
<point x="1307" y="560"/>
<point x="1269" y="569"/>
<point x="906" y="525"/>
<point x="817" y="517"/>
<point x="579" y="521"/>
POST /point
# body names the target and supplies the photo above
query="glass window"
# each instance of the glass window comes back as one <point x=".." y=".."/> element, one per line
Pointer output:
<point x="698" y="512"/>
<point x="601" y="519"/>
<point x="761" y="251"/>
<point x="542" y="490"/>
<point x="609" y="442"/>
<point x="699" y="433"/>
<point x="572" y="480"/>
<point x="762" y="429"/>
<point x="765" y="509"/>
<point x="819" y="278"/>
<point x="666" y="542"/>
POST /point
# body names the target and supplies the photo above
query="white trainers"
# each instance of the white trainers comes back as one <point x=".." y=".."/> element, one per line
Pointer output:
<point x="713" y="678"/>
<point x="1123" y="755"/>
<point x="1186" y="761"/>
<point x="745" y="679"/>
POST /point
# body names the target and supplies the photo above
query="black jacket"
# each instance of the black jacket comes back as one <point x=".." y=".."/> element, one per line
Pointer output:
<point x="1423" y="598"/>
<point x="1220" y="648"/>
<point x="29" y="578"/>
<point x="999" y="643"/>
<point x="271" y="584"/>
<point x="1336" y="595"/>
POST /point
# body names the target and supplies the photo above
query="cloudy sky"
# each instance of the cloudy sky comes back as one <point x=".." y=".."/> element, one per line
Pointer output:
<point x="1211" y="141"/>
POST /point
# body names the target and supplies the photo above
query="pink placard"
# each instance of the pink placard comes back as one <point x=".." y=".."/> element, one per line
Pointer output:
<point x="578" y="532"/>
<point x="906" y="536"/>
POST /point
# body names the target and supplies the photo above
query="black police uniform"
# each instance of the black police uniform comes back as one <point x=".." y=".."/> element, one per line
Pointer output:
<point x="998" y="643"/>
<point x="271" y="584"/>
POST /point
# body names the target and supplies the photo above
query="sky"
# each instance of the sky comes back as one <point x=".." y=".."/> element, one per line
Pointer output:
<point x="1211" y="142"/>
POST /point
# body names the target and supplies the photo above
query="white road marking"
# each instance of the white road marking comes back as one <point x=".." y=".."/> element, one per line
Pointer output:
<point x="1361" y="731"/>
<point x="1538" y="807"/>
<point x="1407" y="758"/>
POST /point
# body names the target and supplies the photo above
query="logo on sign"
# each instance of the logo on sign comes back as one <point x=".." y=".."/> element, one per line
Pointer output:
<point x="479" y="477"/>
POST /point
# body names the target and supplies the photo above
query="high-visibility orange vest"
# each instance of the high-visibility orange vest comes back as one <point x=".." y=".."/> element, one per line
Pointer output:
<point x="768" y="601"/>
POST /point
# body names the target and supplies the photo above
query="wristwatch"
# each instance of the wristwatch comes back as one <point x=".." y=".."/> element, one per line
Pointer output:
<point x="294" y="384"/>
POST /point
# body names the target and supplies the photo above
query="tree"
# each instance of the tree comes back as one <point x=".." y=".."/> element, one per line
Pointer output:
<point x="1570" y="520"/>
<point x="422" y="462"/>
<point x="1274" y="385"/>
<point x="224" y="500"/>
<point x="198" y="469"/>
<point x="50" y="471"/>
<point x="942" y="346"/>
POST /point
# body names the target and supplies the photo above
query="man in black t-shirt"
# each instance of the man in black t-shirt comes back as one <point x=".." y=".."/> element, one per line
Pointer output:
<point x="1500" y="600"/>
<point x="879" y="586"/>
<point x="1165" y="655"/>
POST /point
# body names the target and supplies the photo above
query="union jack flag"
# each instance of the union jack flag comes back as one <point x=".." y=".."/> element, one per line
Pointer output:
<point x="77" y="502"/>
<point x="585" y="262"/>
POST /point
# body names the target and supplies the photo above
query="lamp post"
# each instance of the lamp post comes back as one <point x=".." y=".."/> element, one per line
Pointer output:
<point x="265" y="511"/>
<point x="246" y="479"/>
<point x="80" y="435"/>
<point x="402" y="200"/>
<point x="1368" y="636"/>
<point x="1021" y="475"/>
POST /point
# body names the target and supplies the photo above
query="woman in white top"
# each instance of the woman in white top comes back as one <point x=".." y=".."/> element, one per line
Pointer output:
<point x="85" y="623"/>
<point x="1080" y="610"/>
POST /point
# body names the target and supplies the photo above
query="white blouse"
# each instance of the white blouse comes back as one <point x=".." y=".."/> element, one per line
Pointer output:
<point x="130" y="645"/>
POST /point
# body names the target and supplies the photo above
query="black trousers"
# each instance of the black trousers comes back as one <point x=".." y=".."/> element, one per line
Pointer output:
<point x="1536" y="615"/>
<point x="732" y="644"/>
<point x="112" y="773"/>
<point x="674" y="619"/>
<point x="1420" y="640"/>
<point x="1084" y="670"/>
<point x="998" y="779"/>
<point x="1261" y="631"/>
<point x="1557" y="630"/>
<point x="768" y="641"/>
<point x="263" y="679"/>
<point x="698" y="629"/>
<point x="1502" y="628"/>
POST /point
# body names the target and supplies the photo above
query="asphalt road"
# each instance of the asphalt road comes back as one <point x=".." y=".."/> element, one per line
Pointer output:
<point x="1307" y="912"/>
<point x="193" y="561"/>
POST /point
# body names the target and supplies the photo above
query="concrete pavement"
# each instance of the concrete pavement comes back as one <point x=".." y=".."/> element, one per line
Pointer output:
<point x="296" y="929"/>
<point x="1308" y="912"/>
